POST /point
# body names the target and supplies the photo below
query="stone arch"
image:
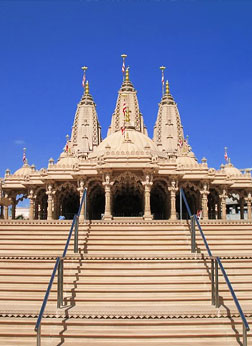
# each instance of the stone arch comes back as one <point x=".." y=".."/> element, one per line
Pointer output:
<point x="95" y="200"/>
<point x="213" y="203"/>
<point x="236" y="206"/>
<point x="41" y="204"/>
<point x="66" y="201"/>
<point x="160" y="203"/>
<point x="127" y="195"/>
<point x="192" y="193"/>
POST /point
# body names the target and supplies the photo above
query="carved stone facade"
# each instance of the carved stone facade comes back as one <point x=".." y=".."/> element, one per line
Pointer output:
<point x="127" y="174"/>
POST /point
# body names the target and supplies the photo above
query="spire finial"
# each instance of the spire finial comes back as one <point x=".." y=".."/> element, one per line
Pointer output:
<point x="87" y="88"/>
<point x="167" y="88"/>
<point x="84" y="68"/>
<point x="162" y="68"/>
<point x="124" y="56"/>
<point x="127" y="74"/>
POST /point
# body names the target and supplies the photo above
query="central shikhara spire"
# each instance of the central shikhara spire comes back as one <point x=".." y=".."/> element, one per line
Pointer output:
<point x="168" y="133"/>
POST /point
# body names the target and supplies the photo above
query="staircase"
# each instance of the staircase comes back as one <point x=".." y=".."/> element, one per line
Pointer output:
<point x="131" y="284"/>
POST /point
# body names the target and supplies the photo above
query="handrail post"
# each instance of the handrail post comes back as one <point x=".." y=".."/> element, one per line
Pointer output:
<point x="76" y="235"/>
<point x="39" y="335"/>
<point x="85" y="205"/>
<point x="180" y="203"/>
<point x="244" y="335"/>
<point x="216" y="284"/>
<point x="193" y="234"/>
<point x="60" y="283"/>
<point x="212" y="281"/>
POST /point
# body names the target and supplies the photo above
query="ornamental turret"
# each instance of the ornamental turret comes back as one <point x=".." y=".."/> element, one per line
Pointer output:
<point x="168" y="131"/>
<point x="127" y="111"/>
<point x="86" y="130"/>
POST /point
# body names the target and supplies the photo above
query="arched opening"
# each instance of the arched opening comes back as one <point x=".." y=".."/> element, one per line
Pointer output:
<point x="66" y="201"/>
<point x="193" y="200"/>
<point x="160" y="204"/>
<point x="70" y="204"/>
<point x="127" y="197"/>
<point x="41" y="205"/>
<point x="214" y="208"/>
<point x="96" y="201"/>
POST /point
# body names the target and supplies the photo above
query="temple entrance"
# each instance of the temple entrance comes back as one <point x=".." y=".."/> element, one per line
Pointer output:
<point x="159" y="201"/>
<point x="41" y="205"/>
<point x="214" y="208"/>
<point x="193" y="200"/>
<point x="96" y="201"/>
<point x="67" y="201"/>
<point x="128" y="198"/>
<point x="70" y="205"/>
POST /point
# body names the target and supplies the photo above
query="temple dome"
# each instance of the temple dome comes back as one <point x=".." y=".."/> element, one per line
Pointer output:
<point x="66" y="160"/>
<point x="131" y="142"/>
<point x="23" y="171"/>
<point x="187" y="160"/>
<point x="229" y="169"/>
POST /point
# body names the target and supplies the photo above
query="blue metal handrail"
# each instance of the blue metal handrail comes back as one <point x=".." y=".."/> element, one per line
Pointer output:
<point x="233" y="294"/>
<point x="47" y="294"/>
<point x="245" y="323"/>
<point x="185" y="201"/>
<point x="203" y="236"/>
<point x="69" y="235"/>
<point x="56" y="266"/>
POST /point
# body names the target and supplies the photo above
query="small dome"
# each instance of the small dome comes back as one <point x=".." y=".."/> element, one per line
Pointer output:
<point x="187" y="160"/>
<point x="23" y="171"/>
<point x="130" y="142"/>
<point x="229" y="169"/>
<point x="66" y="161"/>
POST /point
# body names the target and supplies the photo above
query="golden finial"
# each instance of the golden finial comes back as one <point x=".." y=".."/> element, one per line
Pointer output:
<point x="84" y="68"/>
<point x="127" y="74"/>
<point x="87" y="88"/>
<point x="167" y="88"/>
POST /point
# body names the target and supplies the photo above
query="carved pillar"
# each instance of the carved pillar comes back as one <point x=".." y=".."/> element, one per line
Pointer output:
<point x="147" y="188"/>
<point x="6" y="210"/>
<point x="204" y="193"/>
<point x="173" y="189"/>
<point x="49" y="202"/>
<point x="242" y="208"/>
<point x="248" y="200"/>
<point x="6" y="213"/>
<point x="82" y="212"/>
<point x="31" y="210"/>
<point x="107" y="186"/>
<point x="223" y="198"/>
<point x="13" y="209"/>
<point x="36" y="210"/>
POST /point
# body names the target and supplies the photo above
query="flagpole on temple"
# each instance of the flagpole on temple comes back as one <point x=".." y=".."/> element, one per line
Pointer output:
<point x="24" y="155"/>
<point x="162" y="68"/>
<point x="84" y="68"/>
<point x="124" y="56"/>
<point x="225" y="154"/>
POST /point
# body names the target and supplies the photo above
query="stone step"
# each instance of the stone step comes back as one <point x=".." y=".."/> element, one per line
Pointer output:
<point x="123" y="332"/>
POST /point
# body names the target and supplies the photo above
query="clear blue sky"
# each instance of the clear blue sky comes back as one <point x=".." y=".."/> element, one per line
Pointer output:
<point x="205" y="45"/>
